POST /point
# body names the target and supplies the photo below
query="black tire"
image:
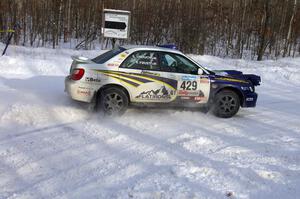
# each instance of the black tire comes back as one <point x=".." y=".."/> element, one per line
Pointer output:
<point x="113" y="101"/>
<point x="226" y="104"/>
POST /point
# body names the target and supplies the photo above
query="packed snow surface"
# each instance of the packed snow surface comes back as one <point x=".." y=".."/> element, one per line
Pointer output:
<point x="53" y="147"/>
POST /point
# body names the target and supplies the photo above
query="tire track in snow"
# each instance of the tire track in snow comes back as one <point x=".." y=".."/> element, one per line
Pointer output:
<point x="75" y="168"/>
<point x="171" y="149"/>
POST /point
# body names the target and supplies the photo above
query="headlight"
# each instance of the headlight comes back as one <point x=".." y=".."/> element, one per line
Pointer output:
<point x="246" y="88"/>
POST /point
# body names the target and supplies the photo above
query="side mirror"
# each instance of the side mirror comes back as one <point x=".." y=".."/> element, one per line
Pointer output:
<point x="200" y="71"/>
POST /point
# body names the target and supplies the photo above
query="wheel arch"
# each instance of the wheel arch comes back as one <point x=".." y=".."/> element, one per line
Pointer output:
<point x="101" y="89"/>
<point x="234" y="89"/>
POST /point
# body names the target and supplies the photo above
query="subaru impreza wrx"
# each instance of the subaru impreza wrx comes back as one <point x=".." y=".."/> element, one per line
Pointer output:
<point x="152" y="75"/>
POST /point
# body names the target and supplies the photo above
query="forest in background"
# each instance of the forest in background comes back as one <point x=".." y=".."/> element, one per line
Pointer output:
<point x="227" y="28"/>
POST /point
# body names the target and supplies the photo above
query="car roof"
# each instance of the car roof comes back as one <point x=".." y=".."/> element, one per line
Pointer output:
<point x="154" y="48"/>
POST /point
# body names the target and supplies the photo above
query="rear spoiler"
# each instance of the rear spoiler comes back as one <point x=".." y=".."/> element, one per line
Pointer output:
<point x="81" y="59"/>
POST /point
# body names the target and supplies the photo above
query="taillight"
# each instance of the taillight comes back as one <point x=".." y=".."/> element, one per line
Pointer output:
<point x="77" y="74"/>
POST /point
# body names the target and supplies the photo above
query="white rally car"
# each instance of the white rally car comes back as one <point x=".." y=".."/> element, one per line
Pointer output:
<point x="157" y="75"/>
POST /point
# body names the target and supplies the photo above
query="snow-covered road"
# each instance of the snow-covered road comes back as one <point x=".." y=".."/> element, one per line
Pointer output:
<point x="52" y="147"/>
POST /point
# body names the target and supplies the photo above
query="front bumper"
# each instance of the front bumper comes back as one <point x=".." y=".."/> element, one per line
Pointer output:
<point x="78" y="91"/>
<point x="250" y="99"/>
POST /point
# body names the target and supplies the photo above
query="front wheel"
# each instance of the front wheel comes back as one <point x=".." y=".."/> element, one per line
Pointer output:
<point x="113" y="101"/>
<point x="226" y="104"/>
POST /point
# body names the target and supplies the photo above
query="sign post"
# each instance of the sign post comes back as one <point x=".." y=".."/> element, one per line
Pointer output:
<point x="115" y="25"/>
<point x="10" y="35"/>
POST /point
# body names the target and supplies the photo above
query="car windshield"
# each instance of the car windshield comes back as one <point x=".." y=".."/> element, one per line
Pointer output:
<point x="205" y="68"/>
<point x="101" y="59"/>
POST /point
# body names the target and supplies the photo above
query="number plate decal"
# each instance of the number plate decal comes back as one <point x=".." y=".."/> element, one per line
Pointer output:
<point x="188" y="86"/>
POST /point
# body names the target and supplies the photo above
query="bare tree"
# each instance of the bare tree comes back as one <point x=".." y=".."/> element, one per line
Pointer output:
<point x="234" y="28"/>
<point x="289" y="34"/>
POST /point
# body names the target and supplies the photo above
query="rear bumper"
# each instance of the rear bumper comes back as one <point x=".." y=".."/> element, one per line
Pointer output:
<point x="250" y="100"/>
<point x="78" y="91"/>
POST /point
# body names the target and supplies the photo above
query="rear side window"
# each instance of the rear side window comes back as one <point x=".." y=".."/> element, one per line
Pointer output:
<point x="143" y="60"/>
<point x="101" y="59"/>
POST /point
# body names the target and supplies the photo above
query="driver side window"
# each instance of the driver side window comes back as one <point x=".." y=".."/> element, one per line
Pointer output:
<point x="176" y="63"/>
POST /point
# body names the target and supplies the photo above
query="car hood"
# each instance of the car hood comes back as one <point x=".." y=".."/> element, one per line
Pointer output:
<point x="230" y="73"/>
<point x="254" y="79"/>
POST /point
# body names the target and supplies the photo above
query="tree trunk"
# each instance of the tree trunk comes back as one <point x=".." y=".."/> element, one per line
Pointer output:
<point x="264" y="31"/>
<point x="289" y="34"/>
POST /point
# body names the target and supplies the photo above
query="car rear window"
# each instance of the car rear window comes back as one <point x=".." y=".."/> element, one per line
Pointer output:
<point x="101" y="59"/>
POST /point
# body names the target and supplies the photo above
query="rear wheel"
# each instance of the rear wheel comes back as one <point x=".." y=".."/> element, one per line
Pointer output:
<point x="113" y="101"/>
<point x="226" y="104"/>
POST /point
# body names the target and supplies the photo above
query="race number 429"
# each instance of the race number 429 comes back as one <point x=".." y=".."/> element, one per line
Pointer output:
<point x="189" y="85"/>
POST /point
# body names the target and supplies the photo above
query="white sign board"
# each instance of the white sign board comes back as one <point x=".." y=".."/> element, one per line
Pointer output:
<point x="116" y="23"/>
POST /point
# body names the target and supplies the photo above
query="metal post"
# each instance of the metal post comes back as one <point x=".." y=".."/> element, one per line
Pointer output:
<point x="102" y="28"/>
<point x="11" y="31"/>
<point x="7" y="42"/>
<point x="113" y="42"/>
